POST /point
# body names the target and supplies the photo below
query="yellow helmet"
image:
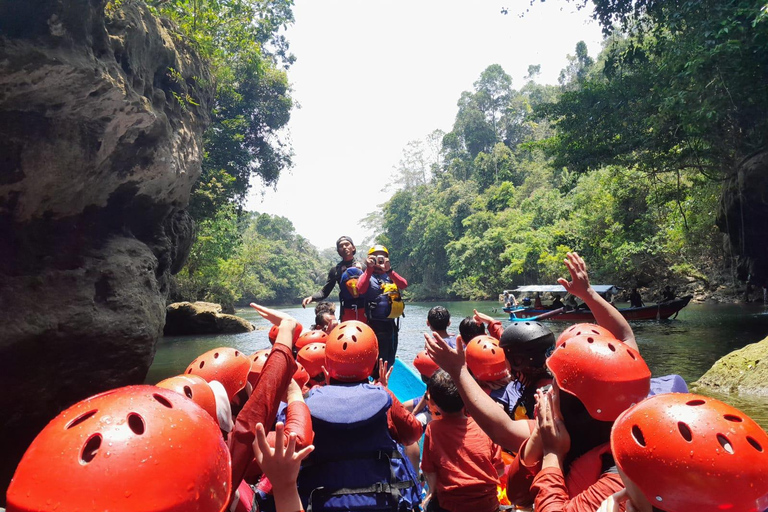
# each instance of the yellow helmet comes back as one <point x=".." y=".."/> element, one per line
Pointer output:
<point x="377" y="248"/>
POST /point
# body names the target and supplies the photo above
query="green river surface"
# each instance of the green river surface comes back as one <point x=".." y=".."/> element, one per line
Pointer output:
<point x="687" y="345"/>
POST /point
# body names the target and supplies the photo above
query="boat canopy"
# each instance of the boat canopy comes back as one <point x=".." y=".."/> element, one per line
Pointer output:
<point x="558" y="288"/>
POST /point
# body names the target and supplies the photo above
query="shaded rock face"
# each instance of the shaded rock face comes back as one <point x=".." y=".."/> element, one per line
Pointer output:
<point x="742" y="215"/>
<point x="101" y="122"/>
<point x="183" y="318"/>
<point x="743" y="371"/>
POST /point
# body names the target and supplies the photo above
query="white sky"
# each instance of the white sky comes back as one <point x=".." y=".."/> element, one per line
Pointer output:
<point x="371" y="75"/>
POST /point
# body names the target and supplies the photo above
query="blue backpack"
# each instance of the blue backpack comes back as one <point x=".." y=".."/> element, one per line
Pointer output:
<point x="356" y="465"/>
<point x="348" y="295"/>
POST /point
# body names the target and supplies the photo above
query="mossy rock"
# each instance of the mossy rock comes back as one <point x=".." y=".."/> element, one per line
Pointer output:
<point x="744" y="371"/>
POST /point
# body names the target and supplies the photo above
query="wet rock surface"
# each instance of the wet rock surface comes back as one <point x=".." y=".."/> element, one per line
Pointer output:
<point x="744" y="371"/>
<point x="101" y="122"/>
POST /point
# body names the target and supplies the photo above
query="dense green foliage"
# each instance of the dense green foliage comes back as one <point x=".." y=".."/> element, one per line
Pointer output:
<point x="497" y="211"/>
<point x="248" y="57"/>
<point x="240" y="256"/>
<point x="256" y="257"/>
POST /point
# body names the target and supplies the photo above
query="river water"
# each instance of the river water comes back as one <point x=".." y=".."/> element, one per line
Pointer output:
<point x="687" y="345"/>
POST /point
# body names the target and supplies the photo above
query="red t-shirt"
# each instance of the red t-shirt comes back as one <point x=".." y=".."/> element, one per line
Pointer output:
<point x="466" y="463"/>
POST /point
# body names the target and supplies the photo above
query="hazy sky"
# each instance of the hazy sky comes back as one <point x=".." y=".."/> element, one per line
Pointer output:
<point x="370" y="76"/>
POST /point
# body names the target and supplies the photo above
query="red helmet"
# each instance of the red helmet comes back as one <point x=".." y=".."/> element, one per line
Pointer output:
<point x="689" y="453"/>
<point x="132" y="448"/>
<point x="258" y="359"/>
<point x="485" y="359"/>
<point x="308" y="337"/>
<point x="226" y="365"/>
<point x="196" y="389"/>
<point x="312" y="358"/>
<point x="425" y="365"/>
<point x="351" y="351"/>
<point x="301" y="376"/>
<point x="579" y="329"/>
<point x="274" y="329"/>
<point x="606" y="375"/>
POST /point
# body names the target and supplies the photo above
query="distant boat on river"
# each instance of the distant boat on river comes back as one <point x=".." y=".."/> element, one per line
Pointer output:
<point x="659" y="311"/>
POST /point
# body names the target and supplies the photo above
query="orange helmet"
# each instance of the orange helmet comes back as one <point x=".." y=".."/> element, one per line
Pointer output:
<point x="485" y="359"/>
<point x="301" y="376"/>
<point x="258" y="359"/>
<point x="425" y="365"/>
<point x="351" y="351"/>
<point x="274" y="329"/>
<point x="308" y="337"/>
<point x="691" y="453"/>
<point x="272" y="334"/>
<point x="579" y="329"/>
<point x="606" y="375"/>
<point x="312" y="358"/>
<point x="226" y="365"/>
<point x="133" y="448"/>
<point x="196" y="389"/>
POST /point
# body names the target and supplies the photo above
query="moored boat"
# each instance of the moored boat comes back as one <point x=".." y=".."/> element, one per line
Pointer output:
<point x="659" y="311"/>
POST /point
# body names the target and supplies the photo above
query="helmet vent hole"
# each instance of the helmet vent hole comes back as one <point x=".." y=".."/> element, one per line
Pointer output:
<point x="358" y="328"/>
<point x="631" y="354"/>
<point x="685" y="431"/>
<point x="136" y="423"/>
<point x="163" y="401"/>
<point x="344" y="346"/>
<point x="610" y="346"/>
<point x="590" y="340"/>
<point x="237" y="353"/>
<point x="90" y="449"/>
<point x="727" y="446"/>
<point x="202" y="363"/>
<point x="216" y="355"/>
<point x="188" y="391"/>
<point x="694" y="402"/>
<point x="75" y="422"/>
<point x="637" y="435"/>
<point x="354" y="338"/>
<point x="754" y="444"/>
<point x="563" y="345"/>
<point x="493" y="351"/>
<point x="731" y="417"/>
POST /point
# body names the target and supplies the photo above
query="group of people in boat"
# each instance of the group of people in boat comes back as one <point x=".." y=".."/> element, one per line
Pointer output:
<point x="574" y="423"/>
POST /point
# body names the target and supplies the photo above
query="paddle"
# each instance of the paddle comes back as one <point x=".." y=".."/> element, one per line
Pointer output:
<point x="546" y="315"/>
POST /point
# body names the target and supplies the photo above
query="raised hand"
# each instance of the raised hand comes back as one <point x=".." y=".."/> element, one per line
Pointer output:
<point x="273" y="316"/>
<point x="482" y="318"/>
<point x="555" y="439"/>
<point x="449" y="359"/>
<point x="384" y="372"/>
<point x="579" y="284"/>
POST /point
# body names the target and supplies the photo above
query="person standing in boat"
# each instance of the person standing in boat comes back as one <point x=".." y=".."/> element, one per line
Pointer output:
<point x="349" y="304"/>
<point x="635" y="299"/>
<point x="668" y="294"/>
<point x="380" y="286"/>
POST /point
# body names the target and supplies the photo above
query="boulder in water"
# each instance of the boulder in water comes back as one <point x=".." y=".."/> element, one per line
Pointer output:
<point x="744" y="371"/>
<point x="184" y="318"/>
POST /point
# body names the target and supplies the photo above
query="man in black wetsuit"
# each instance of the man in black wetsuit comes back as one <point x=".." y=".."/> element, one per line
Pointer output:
<point x="346" y="249"/>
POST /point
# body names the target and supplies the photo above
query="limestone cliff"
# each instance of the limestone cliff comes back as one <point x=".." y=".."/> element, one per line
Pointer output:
<point x="102" y="111"/>
<point x="742" y="215"/>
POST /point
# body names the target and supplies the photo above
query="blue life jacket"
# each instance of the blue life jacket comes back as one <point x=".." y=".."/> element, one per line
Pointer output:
<point x="346" y="287"/>
<point x="356" y="465"/>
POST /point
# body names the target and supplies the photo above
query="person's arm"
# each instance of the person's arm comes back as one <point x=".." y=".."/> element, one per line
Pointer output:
<point x="298" y="420"/>
<point x="494" y="421"/>
<point x="364" y="281"/>
<point x="431" y="479"/>
<point x="494" y="326"/>
<point x="552" y="493"/>
<point x="325" y="291"/>
<point x="281" y="465"/>
<point x="262" y="405"/>
<point x="400" y="281"/>
<point x="605" y="314"/>
<point x="403" y="426"/>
